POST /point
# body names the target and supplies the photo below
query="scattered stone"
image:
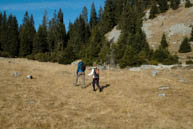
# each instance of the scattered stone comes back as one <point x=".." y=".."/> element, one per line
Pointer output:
<point x="162" y="95"/>
<point x="29" y="76"/>
<point x="16" y="74"/>
<point x="164" y="88"/>
<point x="182" y="80"/>
<point x="154" y="73"/>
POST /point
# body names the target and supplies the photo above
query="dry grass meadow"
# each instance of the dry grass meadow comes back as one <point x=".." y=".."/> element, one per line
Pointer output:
<point x="130" y="101"/>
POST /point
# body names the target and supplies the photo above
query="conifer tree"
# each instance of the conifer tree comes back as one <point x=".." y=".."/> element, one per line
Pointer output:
<point x="52" y="33"/>
<point x="12" y="41"/>
<point x="93" y="16"/>
<point x="61" y="32"/>
<point x="100" y="14"/>
<point x="164" y="43"/>
<point x="85" y="14"/>
<point x="174" y="4"/>
<point x="108" y="16"/>
<point x="26" y="35"/>
<point x="185" y="46"/>
<point x="40" y="42"/>
<point x="154" y="10"/>
<point x="4" y="32"/>
<point x="188" y="4"/>
<point x="0" y="28"/>
<point x="191" y="38"/>
<point x="163" y="5"/>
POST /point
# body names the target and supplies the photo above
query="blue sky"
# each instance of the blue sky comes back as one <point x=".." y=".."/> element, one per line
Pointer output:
<point x="70" y="8"/>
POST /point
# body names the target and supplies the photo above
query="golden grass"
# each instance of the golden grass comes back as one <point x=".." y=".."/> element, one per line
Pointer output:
<point x="132" y="101"/>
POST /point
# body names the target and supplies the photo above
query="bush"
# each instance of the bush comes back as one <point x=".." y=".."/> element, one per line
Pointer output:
<point x="5" y="54"/>
<point x="66" y="56"/>
<point x="189" y="62"/>
<point x="163" y="56"/>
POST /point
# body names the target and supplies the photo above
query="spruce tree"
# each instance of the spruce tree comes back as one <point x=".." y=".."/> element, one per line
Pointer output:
<point x="85" y="14"/>
<point x="26" y="35"/>
<point x="1" y="19"/>
<point x="163" y="5"/>
<point x="188" y="4"/>
<point x="100" y="14"/>
<point x="12" y="41"/>
<point x="185" y="46"/>
<point x="191" y="38"/>
<point x="40" y="42"/>
<point x="154" y="10"/>
<point x="4" y="32"/>
<point x="174" y="4"/>
<point x="52" y="33"/>
<point x="108" y="16"/>
<point x="61" y="32"/>
<point x="164" y="43"/>
<point x="93" y="16"/>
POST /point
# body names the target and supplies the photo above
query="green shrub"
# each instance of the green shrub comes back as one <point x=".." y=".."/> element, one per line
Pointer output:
<point x="163" y="56"/>
<point x="4" y="54"/>
<point x="189" y="62"/>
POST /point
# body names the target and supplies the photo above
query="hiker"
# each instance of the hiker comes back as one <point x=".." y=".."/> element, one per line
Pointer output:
<point x="80" y="72"/>
<point x="95" y="73"/>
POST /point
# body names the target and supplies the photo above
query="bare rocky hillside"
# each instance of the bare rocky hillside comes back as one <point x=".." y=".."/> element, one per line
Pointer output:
<point x="176" y="24"/>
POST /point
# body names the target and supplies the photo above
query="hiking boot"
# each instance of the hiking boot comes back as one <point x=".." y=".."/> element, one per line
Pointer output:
<point x="100" y="90"/>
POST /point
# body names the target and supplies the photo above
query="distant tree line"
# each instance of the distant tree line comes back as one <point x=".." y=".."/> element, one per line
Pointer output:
<point x="85" y="37"/>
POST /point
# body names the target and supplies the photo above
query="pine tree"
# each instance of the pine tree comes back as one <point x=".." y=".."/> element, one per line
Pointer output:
<point x="185" y="46"/>
<point x="93" y="16"/>
<point x="163" y="5"/>
<point x="191" y="38"/>
<point x="40" y="41"/>
<point x="100" y="14"/>
<point x="85" y="14"/>
<point x="1" y="20"/>
<point x="4" y="32"/>
<point x="108" y="16"/>
<point x="154" y="10"/>
<point x="174" y="4"/>
<point x="27" y="32"/>
<point x="13" y="41"/>
<point x="164" y="43"/>
<point x="52" y="33"/>
<point x="61" y="32"/>
<point x="188" y="4"/>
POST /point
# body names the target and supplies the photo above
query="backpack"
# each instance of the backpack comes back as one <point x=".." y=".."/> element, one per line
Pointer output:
<point x="83" y="67"/>
<point x="96" y="73"/>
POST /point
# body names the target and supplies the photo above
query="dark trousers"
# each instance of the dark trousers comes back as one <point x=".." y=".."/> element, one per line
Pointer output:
<point x="96" y="81"/>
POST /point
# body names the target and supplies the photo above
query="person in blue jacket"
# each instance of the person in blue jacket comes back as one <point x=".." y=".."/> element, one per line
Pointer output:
<point x="80" y="72"/>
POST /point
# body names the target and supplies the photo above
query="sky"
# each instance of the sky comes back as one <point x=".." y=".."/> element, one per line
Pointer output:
<point x="71" y="8"/>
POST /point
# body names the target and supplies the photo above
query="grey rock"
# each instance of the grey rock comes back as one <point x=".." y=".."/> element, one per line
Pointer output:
<point x="162" y="95"/>
<point x="154" y="73"/>
<point x="16" y="74"/>
<point x="164" y="88"/>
